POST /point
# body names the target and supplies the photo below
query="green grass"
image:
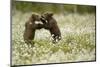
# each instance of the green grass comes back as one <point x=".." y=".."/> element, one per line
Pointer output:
<point x="77" y="44"/>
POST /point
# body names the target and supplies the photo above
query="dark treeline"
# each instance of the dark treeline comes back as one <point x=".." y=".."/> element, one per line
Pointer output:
<point x="56" y="8"/>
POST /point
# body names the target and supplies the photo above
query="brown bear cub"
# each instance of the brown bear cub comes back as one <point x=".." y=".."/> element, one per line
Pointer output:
<point x="31" y="27"/>
<point x="51" y="24"/>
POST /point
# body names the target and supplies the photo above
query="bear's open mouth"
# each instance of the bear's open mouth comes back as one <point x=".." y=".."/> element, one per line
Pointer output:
<point x="43" y="19"/>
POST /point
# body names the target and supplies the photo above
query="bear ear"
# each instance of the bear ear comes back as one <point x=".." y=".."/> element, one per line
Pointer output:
<point x="33" y="15"/>
<point x="50" y="14"/>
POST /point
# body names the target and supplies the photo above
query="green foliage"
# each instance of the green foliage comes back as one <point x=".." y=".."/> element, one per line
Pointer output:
<point x="56" y="8"/>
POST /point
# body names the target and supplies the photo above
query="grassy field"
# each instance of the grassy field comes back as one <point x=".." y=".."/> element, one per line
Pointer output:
<point x="77" y="44"/>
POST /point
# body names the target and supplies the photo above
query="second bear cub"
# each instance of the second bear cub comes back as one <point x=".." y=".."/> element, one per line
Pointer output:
<point x="51" y="24"/>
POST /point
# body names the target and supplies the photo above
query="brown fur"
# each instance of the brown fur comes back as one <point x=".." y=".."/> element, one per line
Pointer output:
<point x="51" y="24"/>
<point x="30" y="28"/>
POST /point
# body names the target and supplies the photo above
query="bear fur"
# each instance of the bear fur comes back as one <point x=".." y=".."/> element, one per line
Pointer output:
<point x="51" y="24"/>
<point x="31" y="27"/>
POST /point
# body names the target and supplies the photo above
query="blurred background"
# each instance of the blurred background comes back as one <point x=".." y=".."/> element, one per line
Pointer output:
<point x="56" y="8"/>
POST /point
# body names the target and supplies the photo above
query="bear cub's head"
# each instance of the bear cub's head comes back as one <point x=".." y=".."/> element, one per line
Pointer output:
<point x="35" y="17"/>
<point x="46" y="16"/>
